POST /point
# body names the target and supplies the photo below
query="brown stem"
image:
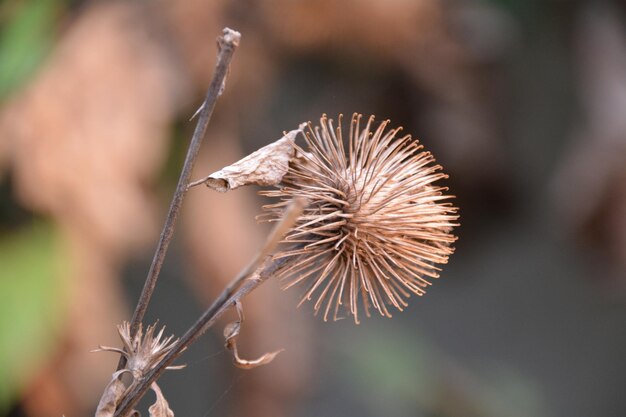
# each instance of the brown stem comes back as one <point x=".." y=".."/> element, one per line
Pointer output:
<point x="208" y="318"/>
<point x="227" y="43"/>
<point x="259" y="270"/>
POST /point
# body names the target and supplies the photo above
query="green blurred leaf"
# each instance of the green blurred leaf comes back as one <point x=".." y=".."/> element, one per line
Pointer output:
<point x="398" y="372"/>
<point x="509" y="392"/>
<point x="395" y="368"/>
<point x="31" y="300"/>
<point x="26" y="38"/>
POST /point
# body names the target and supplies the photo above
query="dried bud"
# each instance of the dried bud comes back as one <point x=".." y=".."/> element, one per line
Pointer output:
<point x="376" y="226"/>
<point x="142" y="352"/>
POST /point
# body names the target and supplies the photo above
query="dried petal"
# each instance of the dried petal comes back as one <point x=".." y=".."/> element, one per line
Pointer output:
<point x="266" y="166"/>
<point x="231" y="333"/>
<point x="250" y="364"/>
<point x="160" y="408"/>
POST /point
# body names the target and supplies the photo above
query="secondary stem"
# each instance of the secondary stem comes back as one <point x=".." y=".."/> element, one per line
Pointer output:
<point x="259" y="270"/>
<point x="215" y="311"/>
<point x="227" y="44"/>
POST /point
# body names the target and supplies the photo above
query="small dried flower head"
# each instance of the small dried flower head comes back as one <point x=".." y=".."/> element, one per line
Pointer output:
<point x="376" y="225"/>
<point x="142" y="352"/>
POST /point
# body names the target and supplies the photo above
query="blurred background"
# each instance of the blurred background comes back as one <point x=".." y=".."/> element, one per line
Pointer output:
<point x="522" y="102"/>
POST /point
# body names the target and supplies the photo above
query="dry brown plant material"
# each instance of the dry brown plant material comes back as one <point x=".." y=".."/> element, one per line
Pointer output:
<point x="142" y="353"/>
<point x="113" y="394"/>
<point x="268" y="390"/>
<point x="231" y="333"/>
<point x="160" y="408"/>
<point x="266" y="166"/>
<point x="260" y="270"/>
<point x="376" y="225"/>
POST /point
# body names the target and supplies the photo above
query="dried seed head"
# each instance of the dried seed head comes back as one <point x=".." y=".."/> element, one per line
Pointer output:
<point x="376" y="225"/>
<point x="142" y="352"/>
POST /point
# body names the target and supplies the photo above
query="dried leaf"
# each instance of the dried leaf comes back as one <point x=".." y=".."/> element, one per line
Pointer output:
<point x="113" y="393"/>
<point x="231" y="333"/>
<point x="160" y="408"/>
<point x="266" y="166"/>
<point x="250" y="364"/>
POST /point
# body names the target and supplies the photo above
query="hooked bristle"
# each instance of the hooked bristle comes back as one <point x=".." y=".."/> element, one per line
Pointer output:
<point x="376" y="225"/>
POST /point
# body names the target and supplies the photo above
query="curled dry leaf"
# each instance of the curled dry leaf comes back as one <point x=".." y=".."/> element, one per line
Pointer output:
<point x="266" y="166"/>
<point x="160" y="408"/>
<point x="231" y="332"/>
<point x="113" y="394"/>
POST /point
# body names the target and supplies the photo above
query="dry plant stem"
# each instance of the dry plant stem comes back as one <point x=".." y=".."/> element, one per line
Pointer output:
<point x="227" y="44"/>
<point x="208" y="318"/>
<point x="259" y="270"/>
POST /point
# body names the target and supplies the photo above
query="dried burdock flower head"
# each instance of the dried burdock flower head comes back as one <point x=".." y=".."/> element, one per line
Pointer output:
<point x="142" y="352"/>
<point x="376" y="225"/>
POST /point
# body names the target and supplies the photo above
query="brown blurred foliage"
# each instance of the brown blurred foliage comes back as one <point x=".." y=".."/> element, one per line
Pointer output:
<point x="86" y="139"/>
<point x="590" y="186"/>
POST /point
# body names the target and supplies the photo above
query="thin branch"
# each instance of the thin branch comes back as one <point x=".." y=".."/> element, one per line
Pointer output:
<point x="219" y="306"/>
<point x="227" y="43"/>
<point x="263" y="267"/>
<point x="290" y="216"/>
